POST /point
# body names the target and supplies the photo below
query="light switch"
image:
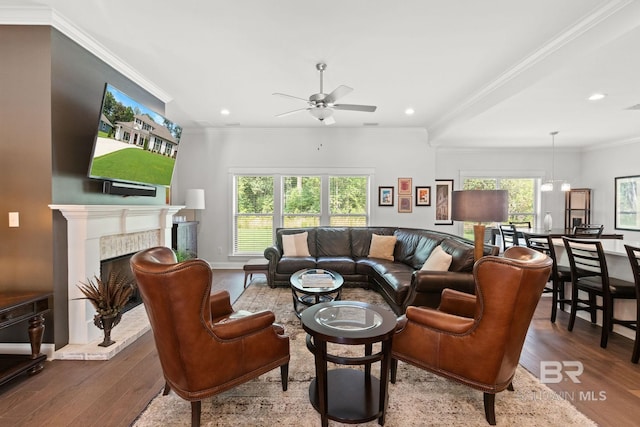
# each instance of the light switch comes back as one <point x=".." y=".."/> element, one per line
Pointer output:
<point x="14" y="219"/>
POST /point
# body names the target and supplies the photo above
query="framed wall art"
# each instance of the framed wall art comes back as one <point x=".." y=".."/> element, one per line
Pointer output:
<point x="404" y="203"/>
<point x="385" y="196"/>
<point x="627" y="205"/>
<point x="404" y="186"/>
<point x="423" y="196"/>
<point x="444" y="188"/>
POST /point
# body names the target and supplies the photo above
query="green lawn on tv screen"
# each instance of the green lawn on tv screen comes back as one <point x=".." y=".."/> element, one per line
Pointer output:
<point x="133" y="164"/>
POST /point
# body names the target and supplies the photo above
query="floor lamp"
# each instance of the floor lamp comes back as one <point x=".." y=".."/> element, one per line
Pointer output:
<point x="479" y="206"/>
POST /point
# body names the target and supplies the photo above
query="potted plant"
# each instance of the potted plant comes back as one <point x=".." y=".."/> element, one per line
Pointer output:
<point x="109" y="299"/>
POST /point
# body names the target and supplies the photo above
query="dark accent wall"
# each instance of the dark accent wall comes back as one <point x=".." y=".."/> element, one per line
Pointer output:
<point x="49" y="110"/>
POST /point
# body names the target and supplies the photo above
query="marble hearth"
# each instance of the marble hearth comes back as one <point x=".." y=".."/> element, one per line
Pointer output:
<point x="96" y="233"/>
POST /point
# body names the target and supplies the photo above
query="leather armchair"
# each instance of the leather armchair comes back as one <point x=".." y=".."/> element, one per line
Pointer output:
<point x="203" y="346"/>
<point x="477" y="339"/>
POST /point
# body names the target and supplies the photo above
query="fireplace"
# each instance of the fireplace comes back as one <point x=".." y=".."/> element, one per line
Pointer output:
<point x="100" y="232"/>
<point x="120" y="265"/>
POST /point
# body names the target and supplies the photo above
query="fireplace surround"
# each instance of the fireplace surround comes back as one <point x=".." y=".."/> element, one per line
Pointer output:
<point x="100" y="232"/>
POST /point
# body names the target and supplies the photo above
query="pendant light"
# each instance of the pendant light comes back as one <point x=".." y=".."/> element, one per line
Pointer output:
<point x="549" y="185"/>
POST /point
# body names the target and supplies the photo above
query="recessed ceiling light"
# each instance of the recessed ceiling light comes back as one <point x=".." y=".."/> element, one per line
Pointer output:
<point x="225" y="112"/>
<point x="409" y="111"/>
<point x="597" y="96"/>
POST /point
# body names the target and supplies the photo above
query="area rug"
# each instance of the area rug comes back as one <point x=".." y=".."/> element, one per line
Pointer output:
<point x="418" y="398"/>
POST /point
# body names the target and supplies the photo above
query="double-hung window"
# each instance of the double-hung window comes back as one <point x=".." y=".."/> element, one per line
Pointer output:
<point x="263" y="203"/>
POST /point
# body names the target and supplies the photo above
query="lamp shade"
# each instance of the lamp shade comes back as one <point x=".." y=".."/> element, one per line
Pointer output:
<point x="480" y="205"/>
<point x="194" y="199"/>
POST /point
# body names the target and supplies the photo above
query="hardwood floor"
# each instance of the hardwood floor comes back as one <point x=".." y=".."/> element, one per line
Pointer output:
<point x="114" y="393"/>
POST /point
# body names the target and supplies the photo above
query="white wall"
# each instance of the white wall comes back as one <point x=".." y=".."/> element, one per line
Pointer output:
<point x="601" y="166"/>
<point x="206" y="158"/>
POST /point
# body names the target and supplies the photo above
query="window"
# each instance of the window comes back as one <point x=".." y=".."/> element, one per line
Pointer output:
<point x="263" y="203"/>
<point x="301" y="201"/>
<point x="254" y="209"/>
<point x="348" y="201"/>
<point x="522" y="197"/>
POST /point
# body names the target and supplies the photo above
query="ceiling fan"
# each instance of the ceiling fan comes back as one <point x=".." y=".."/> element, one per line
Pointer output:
<point x="322" y="105"/>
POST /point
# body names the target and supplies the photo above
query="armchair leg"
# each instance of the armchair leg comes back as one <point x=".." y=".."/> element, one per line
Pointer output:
<point x="284" y="376"/>
<point x="167" y="389"/>
<point x="510" y="387"/>
<point x="394" y="370"/>
<point x="490" y="408"/>
<point x="195" y="414"/>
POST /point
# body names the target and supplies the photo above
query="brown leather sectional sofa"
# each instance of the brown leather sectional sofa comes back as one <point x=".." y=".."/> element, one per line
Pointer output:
<point x="401" y="282"/>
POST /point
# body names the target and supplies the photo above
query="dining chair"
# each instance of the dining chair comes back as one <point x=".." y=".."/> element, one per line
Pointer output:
<point x="509" y="236"/>
<point x="588" y="231"/>
<point x="560" y="274"/>
<point x="521" y="224"/>
<point x="633" y="252"/>
<point x="589" y="274"/>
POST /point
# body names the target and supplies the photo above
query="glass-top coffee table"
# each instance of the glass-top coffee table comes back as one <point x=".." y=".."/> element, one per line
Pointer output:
<point x="314" y="285"/>
<point x="349" y="395"/>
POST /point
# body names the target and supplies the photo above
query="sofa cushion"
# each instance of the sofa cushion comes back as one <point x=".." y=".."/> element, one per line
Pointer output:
<point x="295" y="245"/>
<point x="382" y="247"/>
<point x="406" y="246"/>
<point x="289" y="265"/>
<point x="462" y="255"/>
<point x="439" y="260"/>
<point x="340" y="264"/>
<point x="333" y="242"/>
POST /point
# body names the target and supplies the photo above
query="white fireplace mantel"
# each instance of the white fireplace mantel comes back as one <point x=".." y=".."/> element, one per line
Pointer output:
<point x="97" y="232"/>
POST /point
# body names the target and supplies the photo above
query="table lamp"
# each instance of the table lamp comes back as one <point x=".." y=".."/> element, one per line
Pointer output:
<point x="194" y="200"/>
<point x="479" y="206"/>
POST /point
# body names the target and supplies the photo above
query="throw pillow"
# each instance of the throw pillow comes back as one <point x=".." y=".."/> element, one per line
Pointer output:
<point x="382" y="246"/>
<point x="439" y="260"/>
<point x="295" y="244"/>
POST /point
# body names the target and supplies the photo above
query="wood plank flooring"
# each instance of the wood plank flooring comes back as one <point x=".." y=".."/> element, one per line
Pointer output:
<point x="114" y="393"/>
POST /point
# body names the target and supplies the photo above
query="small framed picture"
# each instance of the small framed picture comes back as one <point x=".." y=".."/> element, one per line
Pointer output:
<point x="444" y="188"/>
<point x="404" y="204"/>
<point x="404" y="186"/>
<point x="423" y="196"/>
<point x="385" y="196"/>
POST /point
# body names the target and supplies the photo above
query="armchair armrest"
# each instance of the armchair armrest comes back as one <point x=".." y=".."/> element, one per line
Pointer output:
<point x="439" y="321"/>
<point x="427" y="286"/>
<point x="458" y="303"/>
<point x="220" y="303"/>
<point x="237" y="328"/>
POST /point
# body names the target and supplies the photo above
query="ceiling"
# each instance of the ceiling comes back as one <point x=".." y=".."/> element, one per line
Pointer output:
<point x="491" y="73"/>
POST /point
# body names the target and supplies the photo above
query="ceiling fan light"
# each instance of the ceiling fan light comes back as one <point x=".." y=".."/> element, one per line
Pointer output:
<point x="321" y="113"/>
<point x="565" y="186"/>
<point x="547" y="186"/>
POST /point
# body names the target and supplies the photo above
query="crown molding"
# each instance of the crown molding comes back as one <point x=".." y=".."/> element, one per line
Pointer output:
<point x="47" y="16"/>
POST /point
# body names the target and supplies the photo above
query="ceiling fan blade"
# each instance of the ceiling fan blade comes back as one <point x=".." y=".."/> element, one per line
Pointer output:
<point x="353" y="107"/>
<point x="290" y="96"/>
<point x="292" y="112"/>
<point x="338" y="92"/>
<point x="329" y="121"/>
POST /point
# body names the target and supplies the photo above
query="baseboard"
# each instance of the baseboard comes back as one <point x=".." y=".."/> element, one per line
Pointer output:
<point x="25" y="348"/>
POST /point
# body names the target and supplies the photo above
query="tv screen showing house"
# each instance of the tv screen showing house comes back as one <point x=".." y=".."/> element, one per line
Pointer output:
<point x="133" y="143"/>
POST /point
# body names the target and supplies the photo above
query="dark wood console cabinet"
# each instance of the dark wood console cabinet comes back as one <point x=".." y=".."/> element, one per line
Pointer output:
<point x="184" y="237"/>
<point x="16" y="307"/>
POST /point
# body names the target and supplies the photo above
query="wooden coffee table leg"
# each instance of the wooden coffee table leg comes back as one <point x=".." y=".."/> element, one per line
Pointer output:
<point x="36" y="331"/>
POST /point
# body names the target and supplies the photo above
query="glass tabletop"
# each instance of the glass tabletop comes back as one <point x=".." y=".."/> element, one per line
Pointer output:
<point x="348" y="317"/>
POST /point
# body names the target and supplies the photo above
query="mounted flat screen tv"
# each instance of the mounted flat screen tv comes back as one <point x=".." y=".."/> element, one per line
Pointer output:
<point x="133" y="144"/>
